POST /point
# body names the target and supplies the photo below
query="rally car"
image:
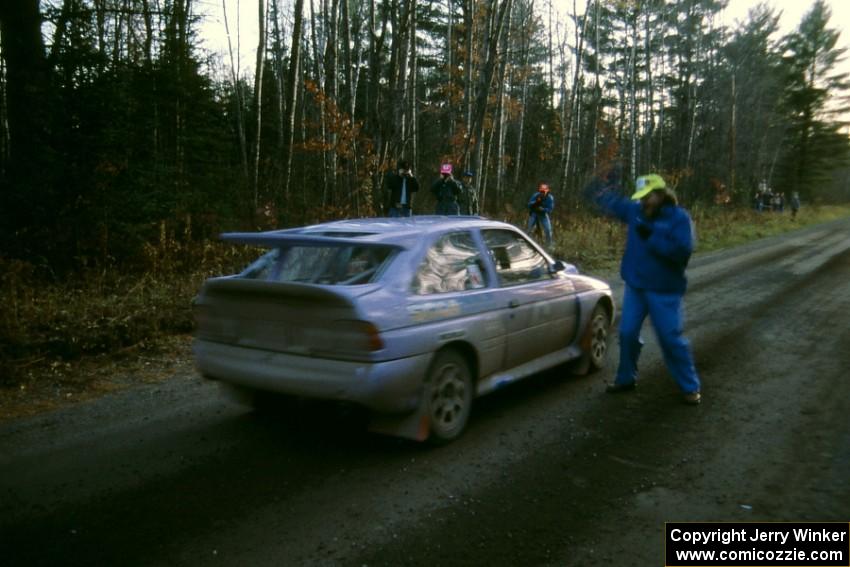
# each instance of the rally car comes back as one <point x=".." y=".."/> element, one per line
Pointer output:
<point x="410" y="318"/>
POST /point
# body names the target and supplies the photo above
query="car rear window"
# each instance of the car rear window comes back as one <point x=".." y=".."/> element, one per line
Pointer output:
<point x="325" y="265"/>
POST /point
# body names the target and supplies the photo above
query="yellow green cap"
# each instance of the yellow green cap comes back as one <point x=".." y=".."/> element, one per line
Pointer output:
<point x="646" y="184"/>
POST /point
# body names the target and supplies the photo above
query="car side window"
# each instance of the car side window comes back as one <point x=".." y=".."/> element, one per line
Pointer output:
<point x="516" y="260"/>
<point x="452" y="264"/>
<point x="263" y="267"/>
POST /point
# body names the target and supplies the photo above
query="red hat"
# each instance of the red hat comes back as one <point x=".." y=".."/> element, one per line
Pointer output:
<point x="446" y="168"/>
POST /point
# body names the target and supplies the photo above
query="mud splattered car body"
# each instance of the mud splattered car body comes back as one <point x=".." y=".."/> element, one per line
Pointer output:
<point x="409" y="318"/>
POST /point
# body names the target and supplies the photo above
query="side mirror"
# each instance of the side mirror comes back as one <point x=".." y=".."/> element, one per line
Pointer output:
<point x="560" y="266"/>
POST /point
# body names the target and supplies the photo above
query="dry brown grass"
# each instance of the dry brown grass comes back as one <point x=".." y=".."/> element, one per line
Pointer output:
<point x="53" y="332"/>
<point x="49" y="321"/>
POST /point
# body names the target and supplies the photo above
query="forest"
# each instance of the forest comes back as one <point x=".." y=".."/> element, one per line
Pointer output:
<point x="116" y="126"/>
<point x="127" y="146"/>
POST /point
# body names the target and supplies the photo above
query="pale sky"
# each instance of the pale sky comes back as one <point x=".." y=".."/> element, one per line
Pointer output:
<point x="244" y="13"/>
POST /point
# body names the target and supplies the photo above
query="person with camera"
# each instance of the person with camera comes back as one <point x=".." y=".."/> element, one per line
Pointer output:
<point x="540" y="206"/>
<point x="399" y="187"/>
<point x="447" y="190"/>
<point x="659" y="243"/>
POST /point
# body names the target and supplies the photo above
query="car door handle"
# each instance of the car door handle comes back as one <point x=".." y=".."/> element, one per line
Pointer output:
<point x="513" y="303"/>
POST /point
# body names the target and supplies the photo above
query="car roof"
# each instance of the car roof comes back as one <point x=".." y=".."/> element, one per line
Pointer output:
<point x="395" y="231"/>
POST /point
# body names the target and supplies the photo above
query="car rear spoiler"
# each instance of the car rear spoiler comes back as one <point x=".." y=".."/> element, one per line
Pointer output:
<point x="274" y="290"/>
<point x="277" y="239"/>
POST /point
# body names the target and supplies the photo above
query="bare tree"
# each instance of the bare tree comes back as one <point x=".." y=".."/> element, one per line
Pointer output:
<point x="570" y="116"/>
<point x="495" y="25"/>
<point x="468" y="95"/>
<point x="291" y="91"/>
<point x="525" y="72"/>
<point x="237" y="94"/>
<point x="258" y="97"/>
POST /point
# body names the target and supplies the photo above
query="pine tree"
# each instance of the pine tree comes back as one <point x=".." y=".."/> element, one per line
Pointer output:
<point x="814" y="145"/>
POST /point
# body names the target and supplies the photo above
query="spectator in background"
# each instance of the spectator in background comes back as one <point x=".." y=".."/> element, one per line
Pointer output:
<point x="469" y="198"/>
<point x="795" y="204"/>
<point x="447" y="191"/>
<point x="399" y="187"/>
<point x="757" y="203"/>
<point x="540" y="206"/>
<point x="767" y="201"/>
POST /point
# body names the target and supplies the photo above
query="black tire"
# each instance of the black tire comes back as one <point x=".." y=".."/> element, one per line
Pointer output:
<point x="594" y="342"/>
<point x="449" y="396"/>
<point x="272" y="403"/>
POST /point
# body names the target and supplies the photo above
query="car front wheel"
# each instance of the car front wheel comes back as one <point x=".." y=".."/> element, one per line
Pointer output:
<point x="449" y="398"/>
<point x="594" y="343"/>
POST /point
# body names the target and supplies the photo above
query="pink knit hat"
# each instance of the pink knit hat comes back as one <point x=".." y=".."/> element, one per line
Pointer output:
<point x="446" y="168"/>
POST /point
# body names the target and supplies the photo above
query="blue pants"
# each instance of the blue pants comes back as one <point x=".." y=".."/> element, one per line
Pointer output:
<point x="403" y="211"/>
<point x="665" y="311"/>
<point x="545" y="224"/>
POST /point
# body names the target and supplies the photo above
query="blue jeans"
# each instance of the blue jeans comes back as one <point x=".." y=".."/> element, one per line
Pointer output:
<point x="403" y="211"/>
<point x="665" y="311"/>
<point x="545" y="224"/>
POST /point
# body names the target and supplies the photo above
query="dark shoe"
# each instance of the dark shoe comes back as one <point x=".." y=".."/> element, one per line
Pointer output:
<point x="614" y="388"/>
<point x="693" y="398"/>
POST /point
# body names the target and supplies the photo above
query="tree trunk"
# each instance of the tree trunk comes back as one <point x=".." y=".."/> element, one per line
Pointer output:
<point x="348" y="72"/>
<point x="237" y="93"/>
<point x="450" y="68"/>
<point x="280" y="83"/>
<point x="332" y="92"/>
<point x="258" y="99"/>
<point x="501" y="118"/>
<point x="468" y="93"/>
<point x="551" y="57"/>
<point x="414" y="80"/>
<point x="492" y="39"/>
<point x="526" y="74"/>
<point x="291" y="91"/>
<point x="575" y="99"/>
<point x="597" y="89"/>
<point x="319" y="80"/>
<point x="25" y="188"/>
<point x="649" y="118"/>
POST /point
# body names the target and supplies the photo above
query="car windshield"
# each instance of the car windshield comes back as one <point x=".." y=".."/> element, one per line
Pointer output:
<point x="326" y="265"/>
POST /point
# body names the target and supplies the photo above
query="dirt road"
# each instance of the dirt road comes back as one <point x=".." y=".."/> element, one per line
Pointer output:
<point x="551" y="472"/>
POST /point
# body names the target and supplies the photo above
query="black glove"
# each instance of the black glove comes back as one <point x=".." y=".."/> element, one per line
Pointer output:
<point x="643" y="230"/>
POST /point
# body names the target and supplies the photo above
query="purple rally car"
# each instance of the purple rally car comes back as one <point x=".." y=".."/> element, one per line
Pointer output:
<point x="411" y="318"/>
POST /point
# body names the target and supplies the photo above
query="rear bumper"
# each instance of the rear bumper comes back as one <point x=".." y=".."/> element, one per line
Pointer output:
<point x="393" y="386"/>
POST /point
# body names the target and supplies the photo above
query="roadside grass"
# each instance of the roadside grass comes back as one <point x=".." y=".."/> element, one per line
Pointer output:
<point x="48" y="325"/>
<point x="55" y="334"/>
<point x="596" y="244"/>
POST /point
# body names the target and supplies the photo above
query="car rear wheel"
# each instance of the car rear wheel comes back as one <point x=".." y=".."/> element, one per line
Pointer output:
<point x="449" y="396"/>
<point x="594" y="342"/>
<point x="272" y="402"/>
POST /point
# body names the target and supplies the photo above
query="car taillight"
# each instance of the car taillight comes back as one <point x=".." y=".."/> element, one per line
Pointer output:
<point x="357" y="336"/>
<point x="374" y="339"/>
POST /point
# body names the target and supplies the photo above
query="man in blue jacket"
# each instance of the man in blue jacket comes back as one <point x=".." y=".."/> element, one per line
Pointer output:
<point x="659" y="244"/>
